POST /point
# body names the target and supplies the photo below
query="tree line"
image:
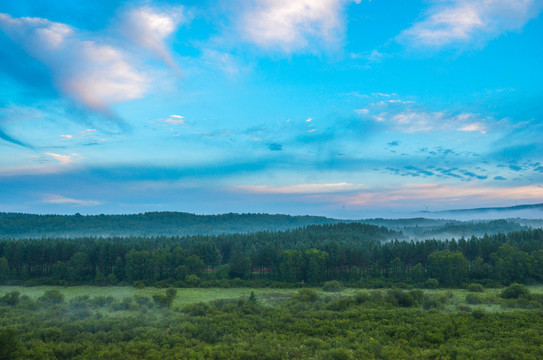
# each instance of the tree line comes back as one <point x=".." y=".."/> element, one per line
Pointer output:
<point x="355" y="254"/>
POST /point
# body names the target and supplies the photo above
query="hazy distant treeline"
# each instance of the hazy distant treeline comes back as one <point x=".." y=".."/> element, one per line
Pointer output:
<point x="357" y="254"/>
<point x="17" y="225"/>
<point x="147" y="224"/>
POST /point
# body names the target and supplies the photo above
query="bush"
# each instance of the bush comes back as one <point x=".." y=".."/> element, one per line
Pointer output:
<point x="8" y="344"/>
<point x="401" y="298"/>
<point x="198" y="309"/>
<point x="192" y="280"/>
<point x="138" y="284"/>
<point x="51" y="297"/>
<point x="338" y="354"/>
<point x="432" y="283"/>
<point x="341" y="304"/>
<point x="306" y="295"/>
<point x="473" y="299"/>
<point x="165" y="300"/>
<point x="431" y="302"/>
<point x="332" y="286"/>
<point x="478" y="314"/>
<point x="476" y="288"/>
<point x="362" y="297"/>
<point x="515" y="291"/>
<point x="11" y="298"/>
<point x="142" y="300"/>
<point x="102" y="301"/>
<point x="464" y="308"/>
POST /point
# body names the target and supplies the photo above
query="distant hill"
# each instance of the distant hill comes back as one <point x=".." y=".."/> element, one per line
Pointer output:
<point x="20" y="225"/>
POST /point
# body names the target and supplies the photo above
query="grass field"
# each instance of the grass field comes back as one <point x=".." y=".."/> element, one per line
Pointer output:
<point x="266" y="296"/>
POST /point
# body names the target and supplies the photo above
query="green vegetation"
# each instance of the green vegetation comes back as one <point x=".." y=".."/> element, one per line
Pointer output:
<point x="357" y="255"/>
<point x="292" y="294"/>
<point x="56" y="323"/>
<point x="17" y="225"/>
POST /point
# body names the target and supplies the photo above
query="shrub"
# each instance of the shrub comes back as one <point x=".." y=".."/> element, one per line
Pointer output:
<point x="332" y="286"/>
<point x="11" y="298"/>
<point x="431" y="302"/>
<point x="362" y="297"/>
<point x="473" y="299"/>
<point x="306" y="295"/>
<point x="478" y="314"/>
<point x="142" y="300"/>
<point x="417" y="294"/>
<point x="138" y="284"/>
<point x="515" y="291"/>
<point x="341" y="304"/>
<point x="401" y="298"/>
<point x="338" y="354"/>
<point x="52" y="297"/>
<point x="476" y="288"/>
<point x="165" y="300"/>
<point x="464" y="308"/>
<point x="192" y="280"/>
<point x="432" y="283"/>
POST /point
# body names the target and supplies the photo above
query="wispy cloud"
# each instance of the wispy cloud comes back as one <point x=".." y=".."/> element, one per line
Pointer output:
<point x="474" y="127"/>
<point x="63" y="159"/>
<point x="465" y="21"/>
<point x="291" y="25"/>
<point x="223" y="61"/>
<point x="91" y="72"/>
<point x="300" y="188"/>
<point x="62" y="200"/>
<point x="172" y="120"/>
<point x="443" y="194"/>
<point x="149" y="27"/>
<point x="409" y="117"/>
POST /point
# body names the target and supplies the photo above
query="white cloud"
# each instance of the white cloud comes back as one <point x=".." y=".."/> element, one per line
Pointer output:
<point x="63" y="159"/>
<point x="301" y="188"/>
<point x="149" y="27"/>
<point x="104" y="76"/>
<point x="463" y="21"/>
<point x="62" y="200"/>
<point x="474" y="127"/>
<point x="92" y="72"/>
<point x="223" y="61"/>
<point x="290" y="25"/>
<point x="173" y="120"/>
<point x="438" y="193"/>
<point x="408" y="117"/>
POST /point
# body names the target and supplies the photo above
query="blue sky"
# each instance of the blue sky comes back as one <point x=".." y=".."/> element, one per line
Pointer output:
<point x="329" y="107"/>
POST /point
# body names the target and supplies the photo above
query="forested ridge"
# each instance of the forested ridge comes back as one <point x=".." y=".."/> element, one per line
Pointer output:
<point x="166" y="223"/>
<point x="147" y="224"/>
<point x="356" y="254"/>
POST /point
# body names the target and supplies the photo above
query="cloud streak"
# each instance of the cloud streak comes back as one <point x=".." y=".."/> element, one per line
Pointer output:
<point x="292" y="25"/>
<point x="465" y="21"/>
<point x="149" y="28"/>
<point x="62" y="200"/>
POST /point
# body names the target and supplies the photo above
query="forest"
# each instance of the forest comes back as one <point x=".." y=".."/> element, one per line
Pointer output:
<point x="379" y="289"/>
<point x="358" y="255"/>
<point x="168" y="223"/>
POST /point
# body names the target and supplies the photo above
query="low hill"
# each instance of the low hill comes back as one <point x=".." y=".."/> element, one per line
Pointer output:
<point x="148" y="224"/>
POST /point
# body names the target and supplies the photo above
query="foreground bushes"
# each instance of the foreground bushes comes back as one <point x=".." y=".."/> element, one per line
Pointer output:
<point x="379" y="324"/>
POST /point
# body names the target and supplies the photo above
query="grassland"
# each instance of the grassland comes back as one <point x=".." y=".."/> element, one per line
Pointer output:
<point x="266" y="296"/>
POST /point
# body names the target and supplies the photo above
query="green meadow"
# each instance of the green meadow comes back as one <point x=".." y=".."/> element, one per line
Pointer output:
<point x="266" y="296"/>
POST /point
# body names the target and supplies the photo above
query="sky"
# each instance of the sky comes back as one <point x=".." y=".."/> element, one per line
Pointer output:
<point x="343" y="108"/>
